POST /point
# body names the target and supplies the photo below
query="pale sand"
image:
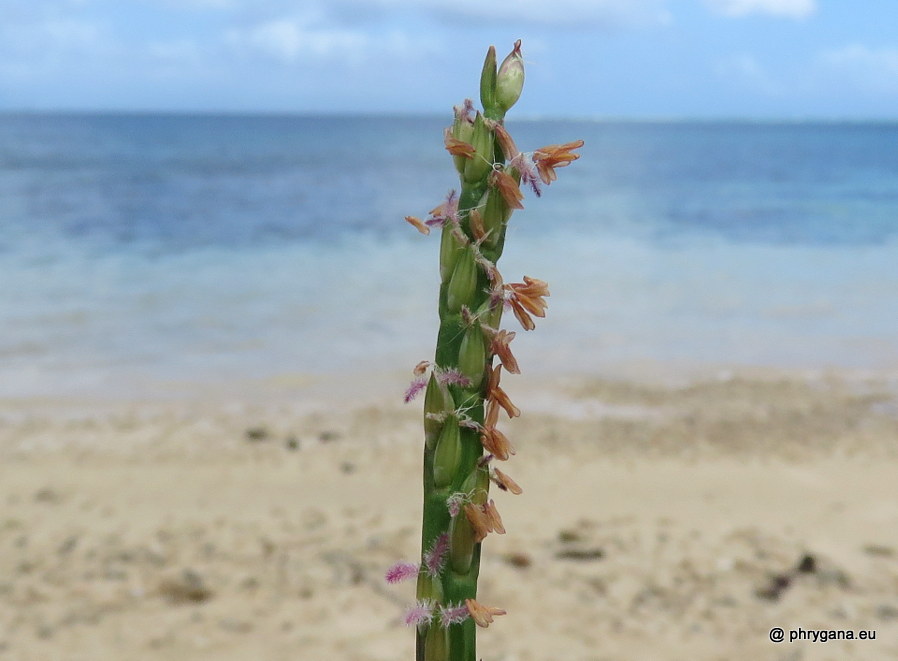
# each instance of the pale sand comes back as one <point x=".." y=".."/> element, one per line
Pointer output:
<point x="654" y="522"/>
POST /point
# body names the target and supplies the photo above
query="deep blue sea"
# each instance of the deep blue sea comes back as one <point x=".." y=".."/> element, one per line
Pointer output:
<point x="140" y="250"/>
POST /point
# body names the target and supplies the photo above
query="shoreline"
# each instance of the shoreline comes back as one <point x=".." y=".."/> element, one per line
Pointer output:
<point x="642" y="394"/>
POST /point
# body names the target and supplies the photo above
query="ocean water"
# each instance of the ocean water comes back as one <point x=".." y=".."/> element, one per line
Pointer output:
<point x="138" y="251"/>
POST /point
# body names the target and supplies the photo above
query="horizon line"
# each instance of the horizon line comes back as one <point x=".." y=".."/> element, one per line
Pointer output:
<point x="532" y="117"/>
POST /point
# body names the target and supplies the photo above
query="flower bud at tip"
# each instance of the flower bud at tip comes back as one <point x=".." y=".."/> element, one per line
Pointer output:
<point x="510" y="78"/>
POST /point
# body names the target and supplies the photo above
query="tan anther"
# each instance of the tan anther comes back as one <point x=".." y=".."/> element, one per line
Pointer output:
<point x="476" y="220"/>
<point x="534" y="305"/>
<point x="509" y="148"/>
<point x="417" y="224"/>
<point x="535" y="286"/>
<point x="506" y="483"/>
<point x="500" y="397"/>
<point x="508" y="188"/>
<point x="492" y="414"/>
<point x="527" y="298"/>
<point x="492" y="515"/>
<point x="554" y="156"/>
<point x="457" y="147"/>
<point x="496" y="443"/>
<point x="480" y="523"/>
<point x="521" y="315"/>
<point x="494" y="377"/>
<point x="500" y="347"/>
<point x="482" y="615"/>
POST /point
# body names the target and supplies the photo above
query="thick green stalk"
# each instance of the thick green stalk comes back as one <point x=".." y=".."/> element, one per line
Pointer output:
<point x="462" y="346"/>
<point x="463" y="396"/>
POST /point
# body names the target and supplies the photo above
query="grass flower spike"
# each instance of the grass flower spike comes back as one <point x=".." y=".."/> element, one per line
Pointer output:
<point x="463" y="399"/>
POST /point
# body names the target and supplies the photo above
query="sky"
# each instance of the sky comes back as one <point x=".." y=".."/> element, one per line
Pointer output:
<point x="644" y="59"/>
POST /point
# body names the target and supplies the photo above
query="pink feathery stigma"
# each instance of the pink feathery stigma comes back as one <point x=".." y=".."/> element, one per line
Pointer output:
<point x="415" y="387"/>
<point x="454" y="503"/>
<point x="488" y="267"/>
<point x="467" y="423"/>
<point x="436" y="556"/>
<point x="450" y="210"/>
<point x="453" y="377"/>
<point x="524" y="164"/>
<point x="453" y="615"/>
<point x="497" y="298"/>
<point x="447" y="212"/>
<point x="401" y="571"/>
<point x="463" y="112"/>
<point x="419" y="614"/>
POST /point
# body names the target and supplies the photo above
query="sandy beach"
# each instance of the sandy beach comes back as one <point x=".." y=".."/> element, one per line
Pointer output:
<point x="662" y="518"/>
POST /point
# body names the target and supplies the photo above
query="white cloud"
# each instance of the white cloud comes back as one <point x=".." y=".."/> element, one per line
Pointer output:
<point x="178" y="51"/>
<point x="50" y="43"/>
<point x="745" y="71"/>
<point x="210" y="4"/>
<point x="192" y="5"/>
<point x="305" y="38"/>
<point x="71" y="33"/>
<point x="871" y="69"/>
<point x="557" y="13"/>
<point x="510" y="13"/>
<point x="742" y="66"/>
<point x="787" y="8"/>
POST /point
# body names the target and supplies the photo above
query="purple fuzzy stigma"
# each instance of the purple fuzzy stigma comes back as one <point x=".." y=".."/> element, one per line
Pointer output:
<point x="401" y="571"/>
<point x="419" y="614"/>
<point x="524" y="164"/>
<point x="453" y="377"/>
<point x="455" y="502"/>
<point x="415" y="387"/>
<point x="436" y="556"/>
<point x="453" y="614"/>
<point x="447" y="212"/>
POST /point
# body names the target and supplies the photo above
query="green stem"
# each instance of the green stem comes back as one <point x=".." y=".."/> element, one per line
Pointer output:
<point x="457" y="587"/>
<point x="466" y="302"/>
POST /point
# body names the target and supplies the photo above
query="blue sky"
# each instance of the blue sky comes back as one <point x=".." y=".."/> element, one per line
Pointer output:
<point x="789" y="59"/>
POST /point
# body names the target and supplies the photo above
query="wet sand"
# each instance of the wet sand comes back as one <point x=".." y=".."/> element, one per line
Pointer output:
<point x="661" y="519"/>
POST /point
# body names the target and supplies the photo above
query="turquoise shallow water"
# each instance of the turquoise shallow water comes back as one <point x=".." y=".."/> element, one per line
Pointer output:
<point x="136" y="250"/>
